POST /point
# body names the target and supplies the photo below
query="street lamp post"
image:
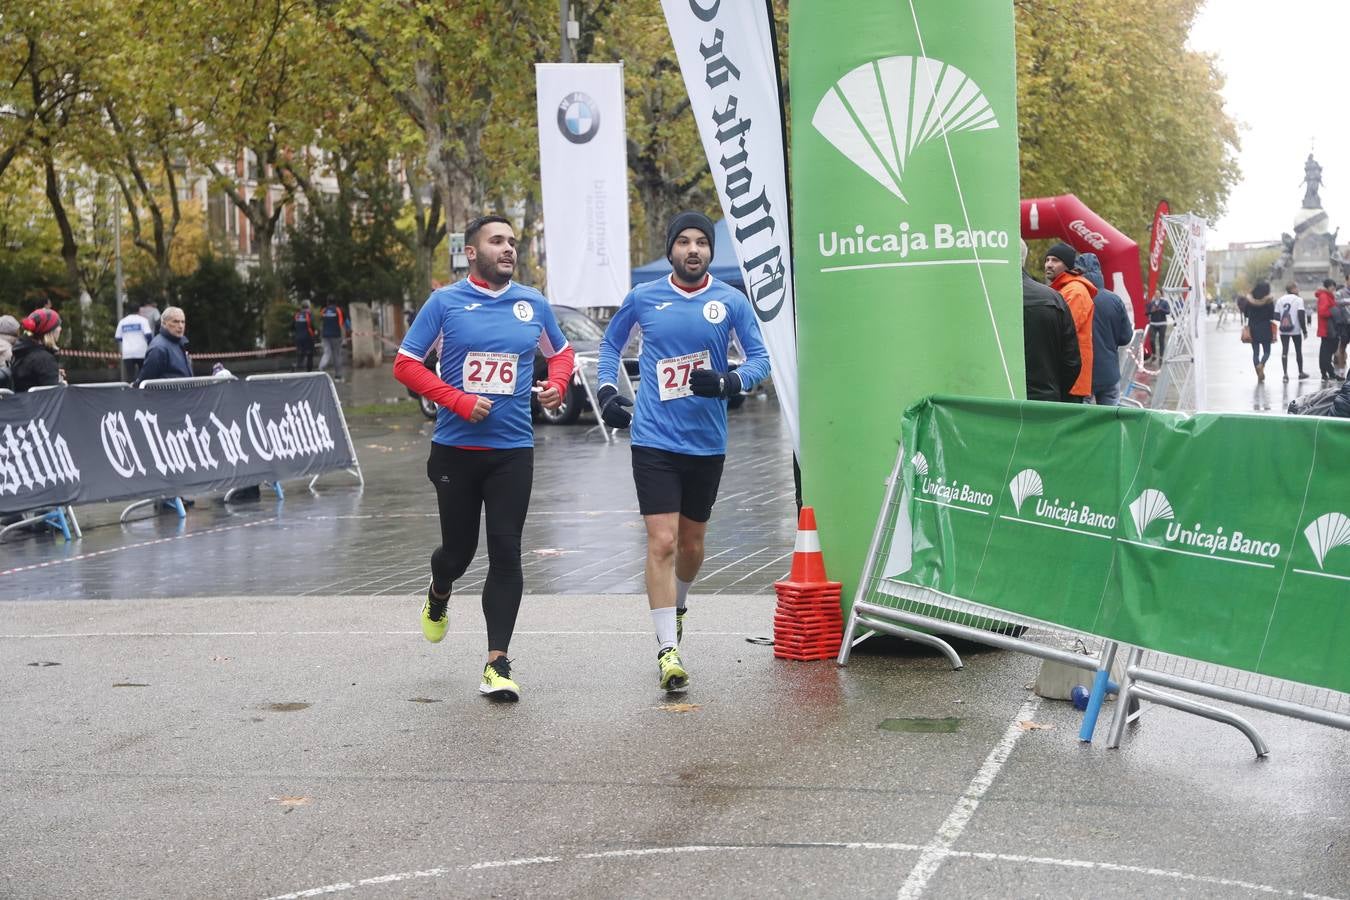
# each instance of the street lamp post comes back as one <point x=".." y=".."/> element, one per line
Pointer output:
<point x="568" y="28"/>
<point x="119" y="286"/>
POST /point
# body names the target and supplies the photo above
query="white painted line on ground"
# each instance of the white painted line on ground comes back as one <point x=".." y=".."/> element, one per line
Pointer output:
<point x="438" y="871"/>
<point x="950" y="831"/>
<point x="137" y="546"/>
<point x="734" y="562"/>
<point x="771" y="562"/>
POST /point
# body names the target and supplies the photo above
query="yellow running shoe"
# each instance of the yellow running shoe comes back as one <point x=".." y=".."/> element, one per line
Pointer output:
<point x="497" y="683"/>
<point x="673" y="676"/>
<point x="433" y="629"/>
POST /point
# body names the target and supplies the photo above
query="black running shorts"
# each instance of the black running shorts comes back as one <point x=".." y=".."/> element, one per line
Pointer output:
<point x="676" y="482"/>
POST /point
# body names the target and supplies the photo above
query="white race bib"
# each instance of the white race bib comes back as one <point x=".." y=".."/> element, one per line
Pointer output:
<point x="490" y="373"/>
<point x="673" y="374"/>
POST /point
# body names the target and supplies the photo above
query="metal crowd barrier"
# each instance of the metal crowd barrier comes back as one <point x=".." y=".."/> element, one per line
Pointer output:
<point x="169" y="384"/>
<point x="588" y="373"/>
<point x="355" y="470"/>
<point x="888" y="607"/>
<point x="62" y="518"/>
<point x="1131" y="368"/>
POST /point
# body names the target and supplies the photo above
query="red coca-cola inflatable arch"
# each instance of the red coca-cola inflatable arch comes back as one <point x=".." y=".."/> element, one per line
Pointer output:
<point x="1068" y="219"/>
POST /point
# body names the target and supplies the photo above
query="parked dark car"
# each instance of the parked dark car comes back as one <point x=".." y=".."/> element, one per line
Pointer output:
<point x="584" y="334"/>
<point x="428" y="407"/>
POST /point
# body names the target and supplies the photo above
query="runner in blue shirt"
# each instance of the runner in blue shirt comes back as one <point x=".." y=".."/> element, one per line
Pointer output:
<point x="486" y="329"/>
<point x="679" y="426"/>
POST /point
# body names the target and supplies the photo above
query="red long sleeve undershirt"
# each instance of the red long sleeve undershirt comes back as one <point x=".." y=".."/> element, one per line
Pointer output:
<point x="411" y="373"/>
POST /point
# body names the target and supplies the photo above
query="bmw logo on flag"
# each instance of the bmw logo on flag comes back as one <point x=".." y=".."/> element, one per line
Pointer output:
<point x="578" y="119"/>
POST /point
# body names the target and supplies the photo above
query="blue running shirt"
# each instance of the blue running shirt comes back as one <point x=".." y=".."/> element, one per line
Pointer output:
<point x="682" y="331"/>
<point x="487" y="341"/>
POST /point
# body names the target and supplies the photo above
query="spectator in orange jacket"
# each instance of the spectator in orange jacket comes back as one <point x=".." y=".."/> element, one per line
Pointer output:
<point x="1077" y="292"/>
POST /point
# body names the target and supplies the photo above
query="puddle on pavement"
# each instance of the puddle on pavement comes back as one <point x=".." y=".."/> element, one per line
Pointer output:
<point x="129" y="684"/>
<point x="286" y="707"/>
<point x="44" y="663"/>
<point x="921" y="726"/>
<point x="422" y="700"/>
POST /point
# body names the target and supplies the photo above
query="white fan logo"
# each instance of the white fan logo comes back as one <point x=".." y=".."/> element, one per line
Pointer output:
<point x="1027" y="483"/>
<point x="1326" y="533"/>
<point x="880" y="112"/>
<point x="1149" y="507"/>
<point x="920" y="463"/>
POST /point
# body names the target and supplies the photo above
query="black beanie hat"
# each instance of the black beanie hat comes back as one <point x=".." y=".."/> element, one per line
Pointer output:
<point x="689" y="219"/>
<point x="1064" y="253"/>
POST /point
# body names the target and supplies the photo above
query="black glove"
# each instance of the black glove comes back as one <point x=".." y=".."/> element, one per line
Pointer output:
<point x="614" y="407"/>
<point x="709" y="383"/>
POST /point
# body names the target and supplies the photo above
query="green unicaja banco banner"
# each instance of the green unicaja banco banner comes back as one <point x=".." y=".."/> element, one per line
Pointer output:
<point x="905" y="214"/>
<point x="1218" y="537"/>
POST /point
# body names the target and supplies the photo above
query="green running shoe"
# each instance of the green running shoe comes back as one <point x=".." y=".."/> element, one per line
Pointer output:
<point x="679" y="625"/>
<point x="497" y="683"/>
<point x="673" y="676"/>
<point x="433" y="628"/>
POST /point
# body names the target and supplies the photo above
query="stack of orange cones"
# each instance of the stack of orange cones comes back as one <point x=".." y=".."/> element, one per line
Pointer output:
<point x="808" y="623"/>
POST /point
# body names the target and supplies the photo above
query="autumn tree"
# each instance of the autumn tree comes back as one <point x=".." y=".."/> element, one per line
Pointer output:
<point x="1113" y="107"/>
<point x="50" y="55"/>
<point x="462" y="75"/>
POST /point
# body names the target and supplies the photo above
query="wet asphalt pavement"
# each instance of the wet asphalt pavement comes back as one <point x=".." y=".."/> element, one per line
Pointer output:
<point x="243" y="706"/>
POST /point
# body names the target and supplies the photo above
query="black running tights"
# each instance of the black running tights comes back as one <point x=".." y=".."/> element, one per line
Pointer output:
<point x="1284" y="350"/>
<point x="467" y="481"/>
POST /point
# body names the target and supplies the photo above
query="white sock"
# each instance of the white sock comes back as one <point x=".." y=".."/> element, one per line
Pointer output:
<point x="664" y="621"/>
<point x="682" y="593"/>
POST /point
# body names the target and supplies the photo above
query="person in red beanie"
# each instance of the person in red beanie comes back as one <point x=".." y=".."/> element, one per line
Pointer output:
<point x="34" y="363"/>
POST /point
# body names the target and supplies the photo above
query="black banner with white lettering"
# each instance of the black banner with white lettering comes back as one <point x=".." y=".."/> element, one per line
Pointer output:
<point x="81" y="445"/>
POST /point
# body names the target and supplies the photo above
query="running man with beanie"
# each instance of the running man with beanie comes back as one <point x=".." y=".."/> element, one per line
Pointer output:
<point x="679" y="436"/>
<point x="486" y="329"/>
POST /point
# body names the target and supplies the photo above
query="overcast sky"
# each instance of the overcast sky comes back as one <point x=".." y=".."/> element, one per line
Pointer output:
<point x="1283" y="70"/>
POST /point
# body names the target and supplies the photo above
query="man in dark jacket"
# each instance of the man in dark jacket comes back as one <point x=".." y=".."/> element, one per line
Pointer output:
<point x="334" y="327"/>
<point x="303" y="325"/>
<point x="167" y="356"/>
<point x="1111" y="330"/>
<point x="1050" y="341"/>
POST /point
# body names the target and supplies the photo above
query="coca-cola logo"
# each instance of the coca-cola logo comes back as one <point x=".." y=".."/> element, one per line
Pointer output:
<point x="1156" y="251"/>
<point x="1094" y="238"/>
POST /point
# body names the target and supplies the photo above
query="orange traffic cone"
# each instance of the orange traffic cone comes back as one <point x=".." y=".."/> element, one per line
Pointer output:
<point x="808" y="623"/>
<point x="808" y="563"/>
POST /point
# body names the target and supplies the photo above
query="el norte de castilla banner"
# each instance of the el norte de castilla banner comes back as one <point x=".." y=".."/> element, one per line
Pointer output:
<point x="730" y="67"/>
<point x="905" y="203"/>
<point x="73" y="445"/>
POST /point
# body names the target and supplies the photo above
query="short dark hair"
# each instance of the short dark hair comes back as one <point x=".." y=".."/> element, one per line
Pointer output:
<point x="1327" y="282"/>
<point x="471" y="230"/>
<point x="1260" y="289"/>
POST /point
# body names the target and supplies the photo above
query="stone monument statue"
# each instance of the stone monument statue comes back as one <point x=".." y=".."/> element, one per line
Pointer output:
<point x="1312" y="177"/>
<point x="1309" y="254"/>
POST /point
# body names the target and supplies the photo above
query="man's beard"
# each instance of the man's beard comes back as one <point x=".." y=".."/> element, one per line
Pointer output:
<point x="683" y="272"/>
<point x="489" y="271"/>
